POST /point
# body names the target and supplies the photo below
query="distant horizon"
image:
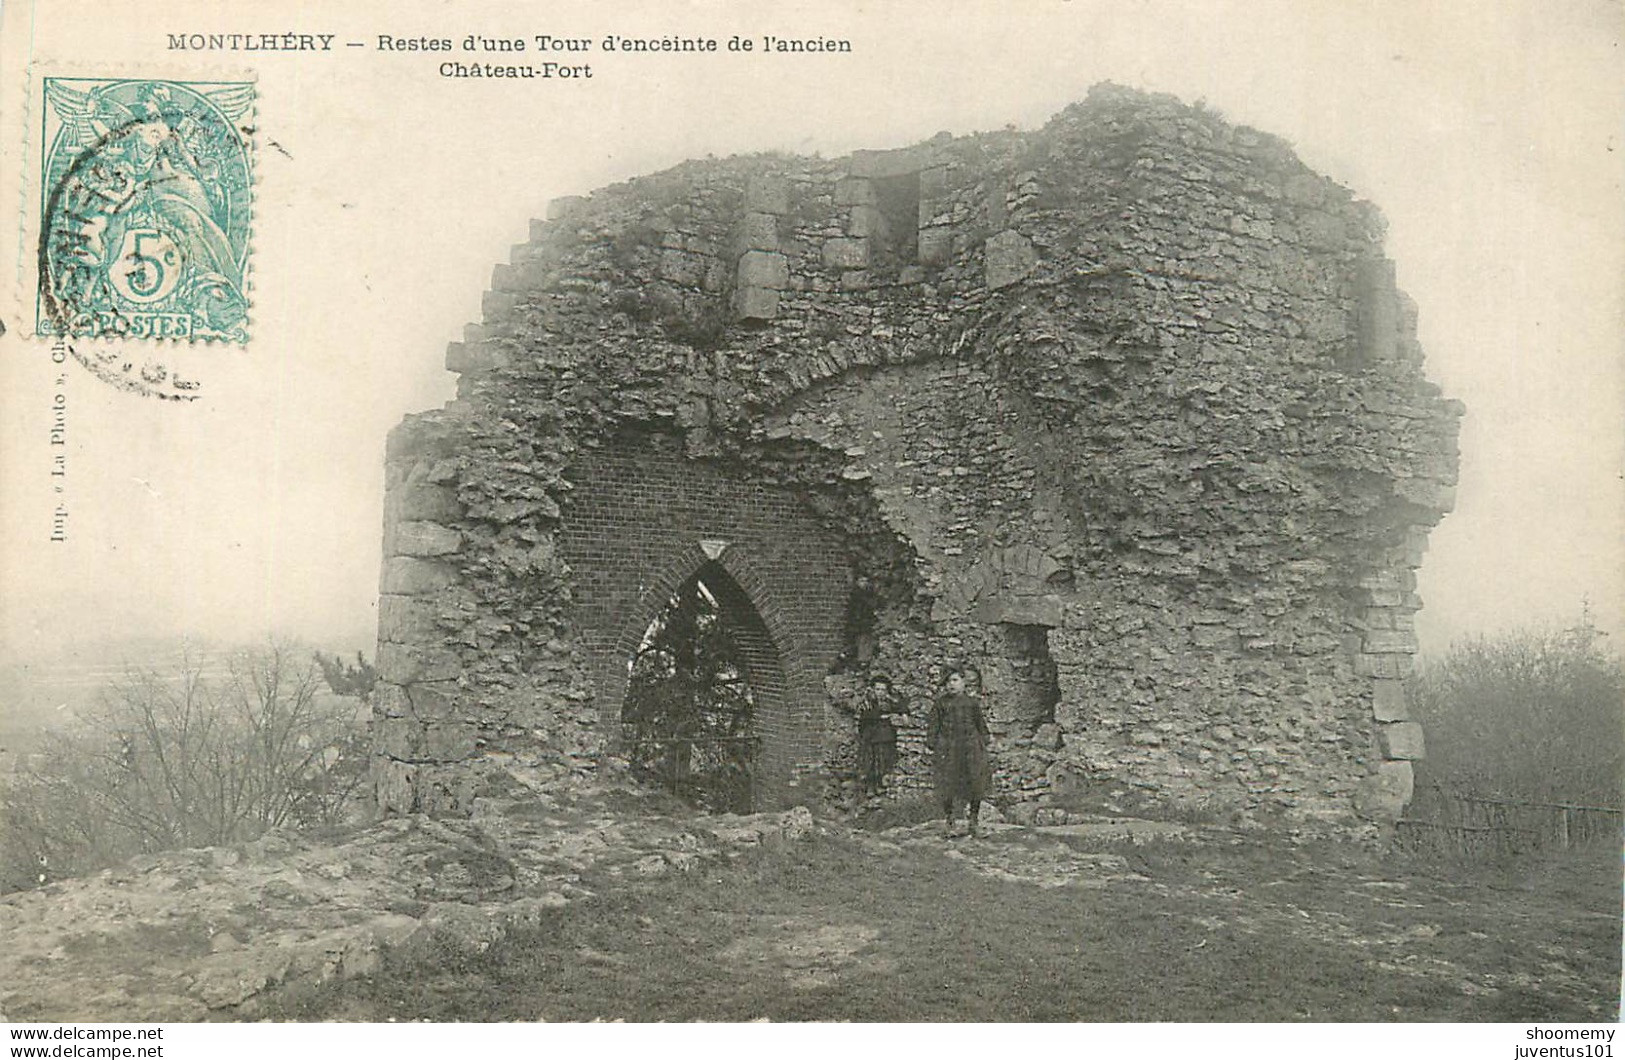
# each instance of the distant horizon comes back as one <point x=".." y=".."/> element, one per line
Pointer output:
<point x="111" y="650"/>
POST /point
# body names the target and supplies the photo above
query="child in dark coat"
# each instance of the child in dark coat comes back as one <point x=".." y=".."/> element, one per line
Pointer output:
<point x="877" y="736"/>
<point x="957" y="736"/>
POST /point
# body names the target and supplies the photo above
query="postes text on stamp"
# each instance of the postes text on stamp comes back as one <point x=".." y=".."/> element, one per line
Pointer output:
<point x="145" y="205"/>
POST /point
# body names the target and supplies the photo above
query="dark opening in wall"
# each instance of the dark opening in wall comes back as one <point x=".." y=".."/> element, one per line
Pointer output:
<point x="687" y="723"/>
<point x="896" y="241"/>
<point x="860" y="621"/>
<point x="1035" y="684"/>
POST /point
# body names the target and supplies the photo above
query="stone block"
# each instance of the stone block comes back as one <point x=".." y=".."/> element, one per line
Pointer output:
<point x="894" y="163"/>
<point x="396" y="472"/>
<point x="936" y="246"/>
<point x="1044" y="610"/>
<point x="421" y="538"/>
<point x="998" y="211"/>
<point x="866" y="221"/>
<point x="768" y="193"/>
<point x="1410" y="553"/>
<point x="854" y="279"/>
<point x="1367" y="664"/>
<point x="563" y="206"/>
<point x="759" y="231"/>
<point x="1384" y="579"/>
<point x="497" y="306"/>
<point x="398" y="738"/>
<point x="1403" y="740"/>
<point x="389" y="701"/>
<point x="432" y="700"/>
<point x="1382" y="641"/>
<point x="1063" y="782"/>
<point x="755" y="303"/>
<point x="1426" y="493"/>
<point x="1010" y="257"/>
<point x="417" y="500"/>
<point x="854" y="191"/>
<point x="846" y="253"/>
<point x="412" y="577"/>
<point x="933" y="182"/>
<point x="392" y="786"/>
<point x="515" y="278"/>
<point x="444" y="790"/>
<point x="447" y="741"/>
<point x="1389" y="702"/>
<point x="763" y="268"/>
<point x="408" y="664"/>
<point x="1073" y="716"/>
<point x="1384" y="795"/>
<point x="407" y="620"/>
<point x="1250" y="226"/>
<point x="1379" y="311"/>
<point x="471" y="358"/>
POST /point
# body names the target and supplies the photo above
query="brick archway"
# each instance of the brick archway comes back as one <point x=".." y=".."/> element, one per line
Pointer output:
<point x="745" y="595"/>
<point x="638" y="524"/>
<point x="756" y="623"/>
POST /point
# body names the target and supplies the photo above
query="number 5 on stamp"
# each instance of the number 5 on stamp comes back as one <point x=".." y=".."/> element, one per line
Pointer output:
<point x="145" y="206"/>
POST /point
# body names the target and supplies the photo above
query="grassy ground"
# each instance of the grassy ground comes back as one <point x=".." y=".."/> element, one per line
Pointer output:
<point x="1037" y="927"/>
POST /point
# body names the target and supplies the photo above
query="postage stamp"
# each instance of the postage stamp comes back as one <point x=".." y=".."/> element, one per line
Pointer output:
<point x="145" y="191"/>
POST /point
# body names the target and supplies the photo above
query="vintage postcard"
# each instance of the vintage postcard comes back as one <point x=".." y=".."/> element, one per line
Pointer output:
<point x="1081" y="512"/>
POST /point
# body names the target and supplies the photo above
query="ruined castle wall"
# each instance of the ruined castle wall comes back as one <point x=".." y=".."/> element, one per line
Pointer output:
<point x="1127" y="410"/>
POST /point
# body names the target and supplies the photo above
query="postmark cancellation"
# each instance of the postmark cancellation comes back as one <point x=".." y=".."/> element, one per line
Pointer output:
<point x="144" y="205"/>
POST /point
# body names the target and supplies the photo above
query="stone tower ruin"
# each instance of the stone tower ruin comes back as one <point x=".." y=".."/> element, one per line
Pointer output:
<point x="1126" y="411"/>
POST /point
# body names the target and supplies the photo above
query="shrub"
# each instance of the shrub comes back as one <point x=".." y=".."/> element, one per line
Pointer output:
<point x="1533" y="715"/>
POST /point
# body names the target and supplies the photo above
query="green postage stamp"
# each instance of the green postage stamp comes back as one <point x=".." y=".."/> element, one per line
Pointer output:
<point x="145" y="199"/>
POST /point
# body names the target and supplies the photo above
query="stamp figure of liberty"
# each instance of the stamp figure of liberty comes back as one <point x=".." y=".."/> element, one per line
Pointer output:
<point x="145" y="221"/>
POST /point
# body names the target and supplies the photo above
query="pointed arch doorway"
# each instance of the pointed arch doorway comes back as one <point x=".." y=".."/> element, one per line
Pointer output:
<point x="703" y="685"/>
<point x="639" y="523"/>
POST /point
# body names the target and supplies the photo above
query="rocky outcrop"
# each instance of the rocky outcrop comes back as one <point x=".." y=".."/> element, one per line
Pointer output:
<point x="192" y="934"/>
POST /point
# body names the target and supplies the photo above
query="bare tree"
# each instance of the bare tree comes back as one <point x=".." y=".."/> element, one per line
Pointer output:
<point x="178" y="760"/>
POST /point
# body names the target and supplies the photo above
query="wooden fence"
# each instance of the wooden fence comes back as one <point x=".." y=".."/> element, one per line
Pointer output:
<point x="1441" y="820"/>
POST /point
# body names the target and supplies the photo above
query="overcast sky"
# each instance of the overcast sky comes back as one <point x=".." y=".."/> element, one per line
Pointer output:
<point x="1488" y="133"/>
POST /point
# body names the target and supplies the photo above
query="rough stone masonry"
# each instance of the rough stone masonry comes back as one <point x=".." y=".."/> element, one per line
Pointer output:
<point x="1127" y="411"/>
